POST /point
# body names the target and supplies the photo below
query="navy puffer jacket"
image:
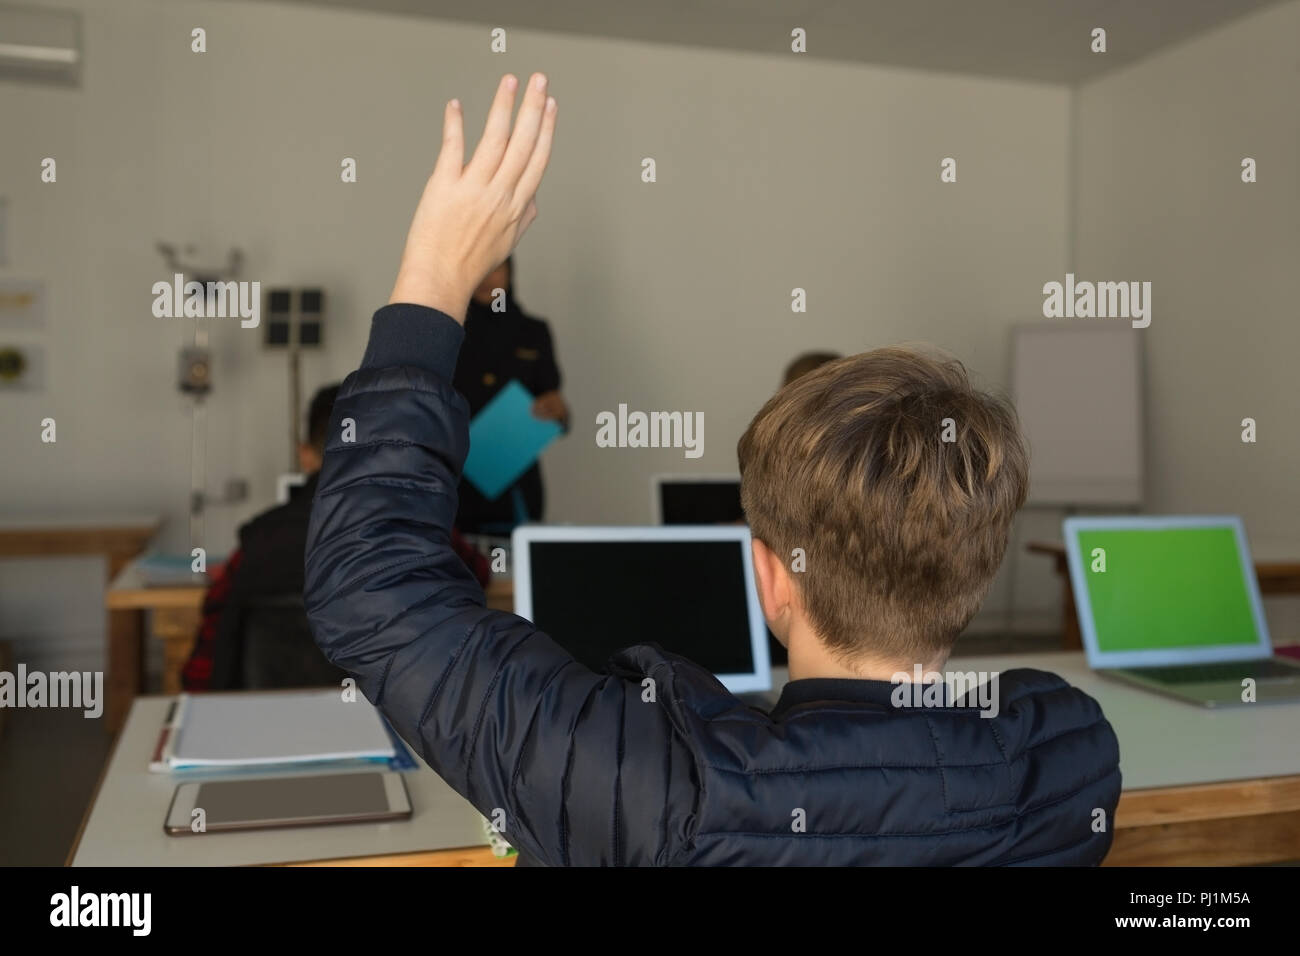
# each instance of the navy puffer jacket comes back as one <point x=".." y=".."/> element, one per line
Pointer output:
<point x="587" y="772"/>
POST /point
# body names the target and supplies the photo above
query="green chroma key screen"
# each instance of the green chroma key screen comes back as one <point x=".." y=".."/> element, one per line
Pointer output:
<point x="1167" y="588"/>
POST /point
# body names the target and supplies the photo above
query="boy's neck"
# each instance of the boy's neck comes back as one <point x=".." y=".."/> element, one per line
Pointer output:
<point x="810" y="657"/>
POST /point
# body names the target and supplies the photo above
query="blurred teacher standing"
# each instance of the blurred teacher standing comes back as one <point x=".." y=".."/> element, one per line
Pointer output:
<point x="502" y="342"/>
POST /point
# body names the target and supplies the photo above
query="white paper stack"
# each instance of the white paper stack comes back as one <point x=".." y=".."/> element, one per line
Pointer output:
<point x="282" y="727"/>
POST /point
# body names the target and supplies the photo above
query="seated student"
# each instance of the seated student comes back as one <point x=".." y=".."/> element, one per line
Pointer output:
<point x="268" y="564"/>
<point x="808" y="362"/>
<point x="903" y="534"/>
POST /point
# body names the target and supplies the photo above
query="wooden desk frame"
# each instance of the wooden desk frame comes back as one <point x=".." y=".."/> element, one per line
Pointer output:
<point x="1242" y="822"/>
<point x="175" y="614"/>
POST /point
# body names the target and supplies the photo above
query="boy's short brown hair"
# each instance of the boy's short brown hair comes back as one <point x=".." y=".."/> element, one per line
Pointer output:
<point x="899" y="480"/>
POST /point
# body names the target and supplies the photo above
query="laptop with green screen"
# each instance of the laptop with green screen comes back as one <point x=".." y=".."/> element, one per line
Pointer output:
<point x="1173" y="604"/>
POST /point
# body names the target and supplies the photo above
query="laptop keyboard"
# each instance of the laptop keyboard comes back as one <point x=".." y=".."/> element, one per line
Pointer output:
<point x="1230" y="671"/>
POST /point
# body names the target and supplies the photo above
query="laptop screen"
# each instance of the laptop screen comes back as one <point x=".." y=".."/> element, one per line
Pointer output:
<point x="691" y="597"/>
<point x="700" y="502"/>
<point x="1165" y="589"/>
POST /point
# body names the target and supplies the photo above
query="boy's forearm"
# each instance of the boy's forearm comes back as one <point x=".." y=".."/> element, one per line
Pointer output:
<point x="398" y="429"/>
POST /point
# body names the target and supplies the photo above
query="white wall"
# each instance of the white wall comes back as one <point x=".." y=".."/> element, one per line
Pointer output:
<point x="1159" y="197"/>
<point x="773" y="172"/>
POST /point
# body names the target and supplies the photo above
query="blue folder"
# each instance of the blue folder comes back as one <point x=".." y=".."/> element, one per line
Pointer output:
<point x="505" y="439"/>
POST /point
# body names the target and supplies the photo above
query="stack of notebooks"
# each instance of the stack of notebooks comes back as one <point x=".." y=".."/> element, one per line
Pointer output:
<point x="159" y="570"/>
<point x="275" y="731"/>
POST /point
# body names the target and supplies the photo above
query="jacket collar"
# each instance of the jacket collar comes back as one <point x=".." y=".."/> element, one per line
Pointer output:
<point x="813" y="690"/>
<point x="832" y="690"/>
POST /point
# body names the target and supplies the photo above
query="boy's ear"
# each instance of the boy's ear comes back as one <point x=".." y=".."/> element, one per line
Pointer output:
<point x="774" y="585"/>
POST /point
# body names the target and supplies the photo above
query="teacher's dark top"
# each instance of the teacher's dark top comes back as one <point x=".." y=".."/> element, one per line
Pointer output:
<point x="499" y="347"/>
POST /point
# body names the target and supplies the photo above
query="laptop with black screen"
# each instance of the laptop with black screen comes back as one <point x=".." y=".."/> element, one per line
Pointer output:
<point x="596" y="590"/>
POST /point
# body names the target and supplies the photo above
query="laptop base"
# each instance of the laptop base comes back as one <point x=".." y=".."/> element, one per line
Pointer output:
<point x="1219" y="693"/>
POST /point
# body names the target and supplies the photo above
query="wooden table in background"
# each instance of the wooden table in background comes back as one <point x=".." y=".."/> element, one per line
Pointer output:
<point x="119" y="540"/>
<point x="175" y="612"/>
<point x="1277" y="575"/>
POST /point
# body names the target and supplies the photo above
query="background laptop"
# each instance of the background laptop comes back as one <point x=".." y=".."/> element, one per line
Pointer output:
<point x="1177" y="608"/>
<point x="696" y="499"/>
<point x="597" y="590"/>
<point x="704" y="500"/>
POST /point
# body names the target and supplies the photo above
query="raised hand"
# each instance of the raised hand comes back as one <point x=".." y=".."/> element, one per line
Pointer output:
<point x="470" y="217"/>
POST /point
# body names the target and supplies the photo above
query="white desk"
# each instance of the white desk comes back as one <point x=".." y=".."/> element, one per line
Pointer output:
<point x="125" y="824"/>
<point x="1200" y="787"/>
<point x="1166" y="743"/>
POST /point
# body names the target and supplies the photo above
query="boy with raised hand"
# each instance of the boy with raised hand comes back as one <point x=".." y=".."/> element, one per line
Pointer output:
<point x="902" y="533"/>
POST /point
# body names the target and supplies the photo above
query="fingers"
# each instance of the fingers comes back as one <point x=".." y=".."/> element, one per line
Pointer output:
<point x="496" y="131"/>
<point x="527" y="125"/>
<point x="451" y="158"/>
<point x="541" y="155"/>
<point x="526" y="220"/>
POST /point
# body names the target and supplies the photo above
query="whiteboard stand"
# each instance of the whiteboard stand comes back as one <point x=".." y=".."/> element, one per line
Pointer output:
<point x="1078" y="387"/>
